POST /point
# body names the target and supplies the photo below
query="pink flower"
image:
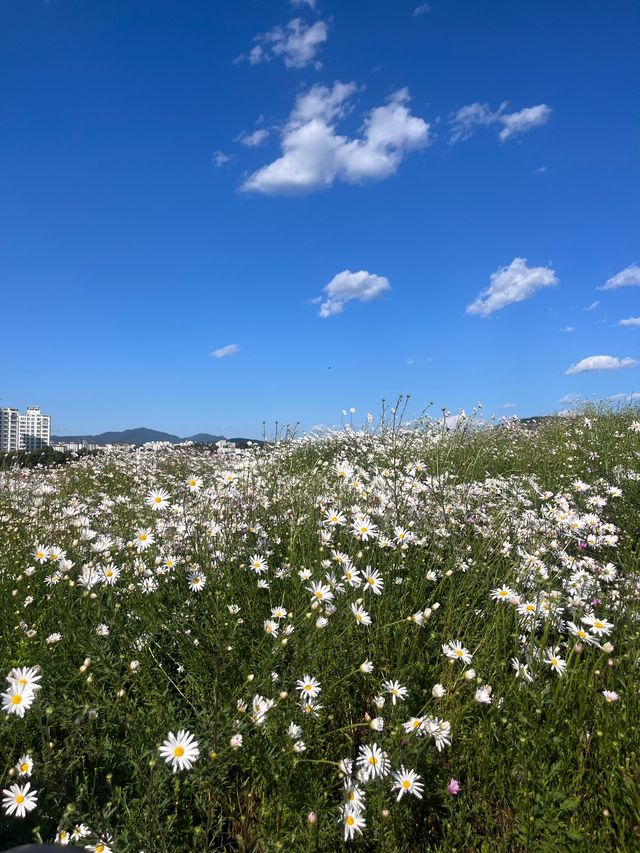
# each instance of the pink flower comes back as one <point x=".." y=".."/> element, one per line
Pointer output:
<point x="453" y="787"/>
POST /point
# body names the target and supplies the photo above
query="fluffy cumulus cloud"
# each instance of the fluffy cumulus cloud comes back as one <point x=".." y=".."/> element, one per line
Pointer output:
<point x="315" y="155"/>
<point x="600" y="362"/>
<point x="223" y="352"/>
<point x="347" y="285"/>
<point x="422" y="9"/>
<point x="296" y="43"/>
<point x="514" y="283"/>
<point x="467" y="119"/>
<point x="630" y="321"/>
<point x="628" y="277"/>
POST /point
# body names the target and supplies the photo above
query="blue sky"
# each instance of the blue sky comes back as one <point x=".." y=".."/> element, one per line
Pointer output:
<point x="181" y="176"/>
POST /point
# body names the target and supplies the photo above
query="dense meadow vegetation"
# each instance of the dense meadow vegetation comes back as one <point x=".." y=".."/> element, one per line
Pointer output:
<point x="404" y="638"/>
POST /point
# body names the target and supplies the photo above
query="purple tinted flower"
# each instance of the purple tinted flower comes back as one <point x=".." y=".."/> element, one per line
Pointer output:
<point x="453" y="787"/>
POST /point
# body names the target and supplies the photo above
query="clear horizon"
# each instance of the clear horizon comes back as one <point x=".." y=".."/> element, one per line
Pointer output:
<point x="219" y="214"/>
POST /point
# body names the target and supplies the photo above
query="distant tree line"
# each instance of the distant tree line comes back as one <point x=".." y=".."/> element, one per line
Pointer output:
<point x="46" y="457"/>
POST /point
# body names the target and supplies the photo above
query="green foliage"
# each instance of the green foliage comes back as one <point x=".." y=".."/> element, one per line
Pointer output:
<point x="546" y="766"/>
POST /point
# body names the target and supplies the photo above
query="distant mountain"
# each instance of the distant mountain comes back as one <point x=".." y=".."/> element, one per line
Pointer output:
<point x="203" y="438"/>
<point x="140" y="435"/>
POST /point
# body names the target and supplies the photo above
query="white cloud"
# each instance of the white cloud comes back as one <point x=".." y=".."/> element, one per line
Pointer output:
<point x="468" y="118"/>
<point x="508" y="406"/>
<point x="310" y="3"/>
<point x="568" y="329"/>
<point x="251" y="140"/>
<point x="524" y="120"/>
<point x="410" y="360"/>
<point x="628" y="277"/>
<point x="347" y="285"/>
<point x="314" y="155"/>
<point x="422" y="9"/>
<point x="219" y="158"/>
<point x="600" y="362"/>
<point x="223" y="352"/>
<point x="297" y="43"/>
<point x="512" y="284"/>
<point x="630" y="321"/>
<point x="593" y="306"/>
<point x="627" y="398"/>
<point x="570" y="398"/>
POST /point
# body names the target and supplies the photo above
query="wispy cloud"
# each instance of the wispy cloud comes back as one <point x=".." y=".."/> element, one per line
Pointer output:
<point x="568" y="329"/>
<point x="600" y="362"/>
<point x="630" y="321"/>
<point x="467" y="119"/>
<point x="296" y="43"/>
<point x="593" y="306"/>
<point x="514" y="283"/>
<point x="223" y="352"/>
<point x="252" y="140"/>
<point x="626" y="398"/>
<point x="346" y="286"/>
<point x="298" y="3"/>
<point x="219" y="158"/>
<point x="508" y="406"/>
<point x="422" y="9"/>
<point x="628" y="277"/>
<point x="314" y="155"/>
<point x="410" y="360"/>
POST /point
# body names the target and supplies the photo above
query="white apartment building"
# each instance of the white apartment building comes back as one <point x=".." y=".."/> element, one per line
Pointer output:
<point x="24" y="431"/>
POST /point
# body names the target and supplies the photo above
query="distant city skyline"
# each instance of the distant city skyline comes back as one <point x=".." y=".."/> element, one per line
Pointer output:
<point x="218" y="214"/>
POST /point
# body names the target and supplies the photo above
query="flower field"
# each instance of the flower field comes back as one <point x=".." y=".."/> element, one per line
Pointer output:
<point x="404" y="638"/>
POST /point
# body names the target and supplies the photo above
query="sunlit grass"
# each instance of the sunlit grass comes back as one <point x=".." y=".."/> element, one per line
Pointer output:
<point x="208" y="609"/>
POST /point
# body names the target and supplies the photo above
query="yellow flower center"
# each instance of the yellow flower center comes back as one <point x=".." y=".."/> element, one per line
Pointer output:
<point x="24" y="768"/>
<point x="459" y="652"/>
<point x="373" y="760"/>
<point x="178" y="751"/>
<point x="16" y="699"/>
<point x="350" y="820"/>
<point x="406" y="784"/>
<point x="20" y="799"/>
<point x="158" y="499"/>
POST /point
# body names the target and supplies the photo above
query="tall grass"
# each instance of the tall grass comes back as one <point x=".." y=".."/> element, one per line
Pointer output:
<point x="551" y="513"/>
